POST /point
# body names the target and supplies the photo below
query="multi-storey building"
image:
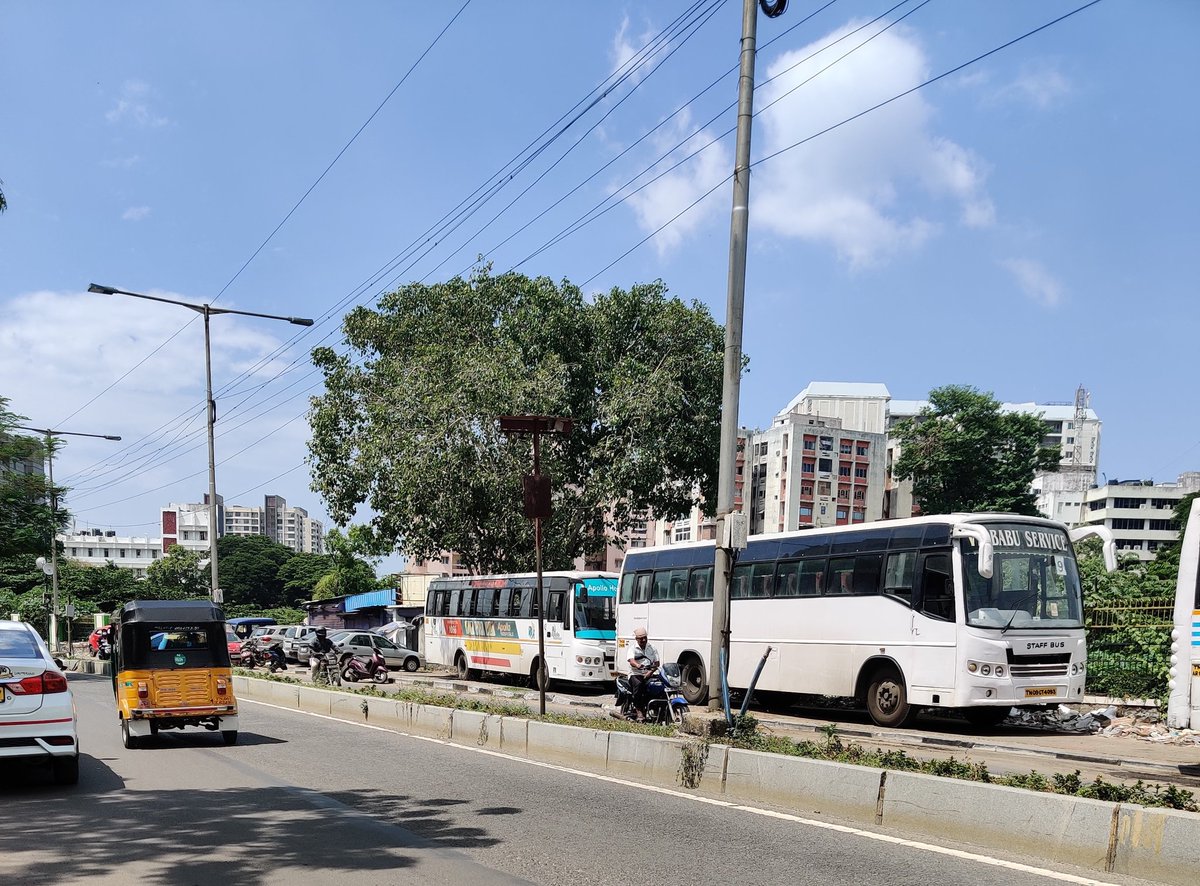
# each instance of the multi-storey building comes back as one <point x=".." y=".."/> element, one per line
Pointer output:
<point x="1140" y="513"/>
<point x="98" y="547"/>
<point x="187" y="524"/>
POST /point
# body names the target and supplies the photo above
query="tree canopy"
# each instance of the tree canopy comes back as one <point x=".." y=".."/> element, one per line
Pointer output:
<point x="26" y="522"/>
<point x="249" y="567"/>
<point x="408" y="421"/>
<point x="963" y="453"/>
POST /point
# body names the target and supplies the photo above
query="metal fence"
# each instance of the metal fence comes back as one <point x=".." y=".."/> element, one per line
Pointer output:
<point x="1129" y="648"/>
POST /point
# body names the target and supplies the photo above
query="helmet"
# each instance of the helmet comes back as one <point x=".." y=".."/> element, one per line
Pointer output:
<point x="320" y="632"/>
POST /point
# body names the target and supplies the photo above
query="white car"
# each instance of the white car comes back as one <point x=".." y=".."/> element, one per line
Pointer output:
<point x="37" y="710"/>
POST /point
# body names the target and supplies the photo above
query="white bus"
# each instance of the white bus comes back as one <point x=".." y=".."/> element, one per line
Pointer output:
<point x="489" y="623"/>
<point x="979" y="612"/>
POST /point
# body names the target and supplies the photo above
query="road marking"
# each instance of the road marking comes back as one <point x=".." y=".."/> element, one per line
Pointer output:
<point x="712" y="801"/>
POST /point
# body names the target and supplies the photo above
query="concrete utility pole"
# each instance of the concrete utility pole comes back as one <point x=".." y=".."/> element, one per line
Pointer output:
<point x="52" y="498"/>
<point x="727" y="534"/>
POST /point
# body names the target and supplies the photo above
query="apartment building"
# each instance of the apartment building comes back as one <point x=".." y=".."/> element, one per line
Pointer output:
<point x="187" y="524"/>
<point x="99" y="547"/>
<point x="1140" y="513"/>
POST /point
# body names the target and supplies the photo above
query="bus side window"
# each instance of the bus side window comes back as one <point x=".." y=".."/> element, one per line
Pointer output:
<point x="787" y="579"/>
<point x="739" y="582"/>
<point x="641" y="593"/>
<point x="555" y="607"/>
<point x="504" y="603"/>
<point x="522" y="603"/>
<point x="700" y="584"/>
<point x="866" y="573"/>
<point x="661" y="590"/>
<point x="811" y="574"/>
<point x="841" y="576"/>
<point x="937" y="588"/>
<point x="485" y="603"/>
<point x="628" y="580"/>
<point x="454" y="610"/>
<point x="751" y="580"/>
<point x="898" y="578"/>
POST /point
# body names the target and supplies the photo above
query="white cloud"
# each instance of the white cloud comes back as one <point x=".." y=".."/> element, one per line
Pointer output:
<point x="1039" y="85"/>
<point x="135" y="213"/>
<point x="1036" y="282"/>
<point x="872" y="188"/>
<point x="626" y="47"/>
<point x="122" y="162"/>
<point x="659" y="203"/>
<point x="133" y="107"/>
<point x="58" y="350"/>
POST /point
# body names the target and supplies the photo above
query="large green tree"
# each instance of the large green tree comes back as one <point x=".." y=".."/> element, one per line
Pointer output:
<point x="301" y="573"/>
<point x="249" y="568"/>
<point x="407" y="424"/>
<point x="963" y="453"/>
<point x="348" y="573"/>
<point x="26" y="521"/>
<point x="177" y="576"/>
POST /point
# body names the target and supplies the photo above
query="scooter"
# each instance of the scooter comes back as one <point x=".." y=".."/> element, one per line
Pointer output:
<point x="253" y="654"/>
<point x="355" y="669"/>
<point x="664" y="696"/>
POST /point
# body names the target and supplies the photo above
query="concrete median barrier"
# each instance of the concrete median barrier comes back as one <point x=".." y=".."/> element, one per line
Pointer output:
<point x="1154" y="844"/>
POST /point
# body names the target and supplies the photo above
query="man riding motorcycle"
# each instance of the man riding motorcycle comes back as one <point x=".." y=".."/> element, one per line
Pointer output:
<point x="320" y="645"/>
<point x="643" y="661"/>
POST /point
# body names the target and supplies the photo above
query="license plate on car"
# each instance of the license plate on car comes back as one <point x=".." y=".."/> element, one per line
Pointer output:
<point x="1040" y="692"/>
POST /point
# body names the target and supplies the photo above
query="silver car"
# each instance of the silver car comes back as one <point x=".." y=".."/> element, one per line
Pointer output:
<point x="293" y="639"/>
<point x="364" y="643"/>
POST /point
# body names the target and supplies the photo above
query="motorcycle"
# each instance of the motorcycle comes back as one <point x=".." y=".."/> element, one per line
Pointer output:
<point x="665" y="703"/>
<point x="325" y="669"/>
<point x="254" y="654"/>
<point x="355" y="669"/>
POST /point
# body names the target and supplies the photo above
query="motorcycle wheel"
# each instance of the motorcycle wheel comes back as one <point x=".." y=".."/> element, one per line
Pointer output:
<point x="677" y="712"/>
<point x="380" y="676"/>
<point x="349" y="676"/>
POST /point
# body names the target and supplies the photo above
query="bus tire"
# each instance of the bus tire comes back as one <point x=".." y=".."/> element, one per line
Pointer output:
<point x="694" y="683"/>
<point x="460" y="662"/>
<point x="535" y="673"/>
<point x="887" y="698"/>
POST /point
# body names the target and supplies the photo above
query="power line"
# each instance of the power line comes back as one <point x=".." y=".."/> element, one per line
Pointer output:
<point x="276" y="229"/>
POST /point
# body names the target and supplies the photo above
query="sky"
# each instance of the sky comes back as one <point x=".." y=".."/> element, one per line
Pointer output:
<point x="1025" y="224"/>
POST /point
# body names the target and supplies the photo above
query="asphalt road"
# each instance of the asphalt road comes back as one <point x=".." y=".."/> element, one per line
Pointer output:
<point x="302" y="799"/>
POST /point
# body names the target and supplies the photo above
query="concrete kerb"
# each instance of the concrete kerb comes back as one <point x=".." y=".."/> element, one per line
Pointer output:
<point x="1154" y="844"/>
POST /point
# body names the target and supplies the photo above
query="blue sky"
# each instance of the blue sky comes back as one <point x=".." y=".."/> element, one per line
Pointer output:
<point x="1025" y="225"/>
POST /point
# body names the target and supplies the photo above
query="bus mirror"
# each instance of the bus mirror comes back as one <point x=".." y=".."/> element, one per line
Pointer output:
<point x="1104" y="534"/>
<point x="983" y="539"/>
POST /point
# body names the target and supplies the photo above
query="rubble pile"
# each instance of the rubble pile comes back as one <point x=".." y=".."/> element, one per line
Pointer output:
<point x="1104" y="721"/>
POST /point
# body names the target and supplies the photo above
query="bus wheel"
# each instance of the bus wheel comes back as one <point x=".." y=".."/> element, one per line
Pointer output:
<point x="460" y="662"/>
<point x="887" y="699"/>
<point x="534" y="674"/>
<point x="691" y="672"/>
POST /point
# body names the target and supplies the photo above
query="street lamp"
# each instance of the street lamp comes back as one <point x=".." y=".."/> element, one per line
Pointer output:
<point x="53" y="573"/>
<point x="207" y="311"/>
<point x="536" y="496"/>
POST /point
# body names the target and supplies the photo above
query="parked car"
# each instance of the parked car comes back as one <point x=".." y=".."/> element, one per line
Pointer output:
<point x="37" y="710"/>
<point x="244" y="627"/>
<point x="231" y="639"/>
<point x="364" y="642"/>
<point x="270" y="633"/>
<point x="293" y="637"/>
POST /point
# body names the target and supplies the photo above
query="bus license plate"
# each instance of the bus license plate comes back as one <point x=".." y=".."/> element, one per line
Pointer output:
<point x="1040" y="692"/>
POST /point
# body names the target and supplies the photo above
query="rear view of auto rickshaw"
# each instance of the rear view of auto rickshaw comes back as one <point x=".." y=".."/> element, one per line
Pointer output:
<point x="171" y="669"/>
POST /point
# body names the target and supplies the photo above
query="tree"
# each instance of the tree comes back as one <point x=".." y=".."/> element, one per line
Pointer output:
<point x="26" y="522"/>
<point x="347" y="573"/>
<point x="249" y="568"/>
<point x="301" y="573"/>
<point x="177" y="576"/>
<point x="3" y="202"/>
<point x="407" y="424"/>
<point x="963" y="454"/>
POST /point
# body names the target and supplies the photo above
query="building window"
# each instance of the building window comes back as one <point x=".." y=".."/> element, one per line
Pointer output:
<point x="860" y="472"/>
<point x="805" y="512"/>
<point x="122" y="553"/>
<point x="1164" y="525"/>
<point x="91" y="552"/>
<point x="683" y="532"/>
<point x="823" y="488"/>
<point x="1127" y="523"/>
<point x="806" y="490"/>
<point x="807" y="467"/>
<point x="106" y="553"/>
<point x="825" y="465"/>
<point x="810" y="444"/>
<point x="843" y="470"/>
<point x="862" y="449"/>
<point x="74" y="552"/>
<point x="844" y="447"/>
<point x="827" y="444"/>
<point x="859" y="495"/>
<point x="841" y="513"/>
<point x="859" y="515"/>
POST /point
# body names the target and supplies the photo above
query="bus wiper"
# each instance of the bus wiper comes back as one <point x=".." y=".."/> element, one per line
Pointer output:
<point x="1017" y="608"/>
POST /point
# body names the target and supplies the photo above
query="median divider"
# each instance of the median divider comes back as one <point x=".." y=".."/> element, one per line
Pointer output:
<point x="1150" y="843"/>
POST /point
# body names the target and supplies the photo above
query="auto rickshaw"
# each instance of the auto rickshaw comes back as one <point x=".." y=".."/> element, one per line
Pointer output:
<point x="171" y="669"/>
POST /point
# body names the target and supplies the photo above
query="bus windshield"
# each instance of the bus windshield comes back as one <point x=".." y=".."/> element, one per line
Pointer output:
<point x="1034" y="583"/>
<point x="595" y="608"/>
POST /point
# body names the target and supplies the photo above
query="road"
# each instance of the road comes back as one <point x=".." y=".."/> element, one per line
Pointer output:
<point x="303" y="799"/>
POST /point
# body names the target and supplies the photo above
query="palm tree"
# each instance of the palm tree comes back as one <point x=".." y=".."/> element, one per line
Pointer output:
<point x="3" y="202"/>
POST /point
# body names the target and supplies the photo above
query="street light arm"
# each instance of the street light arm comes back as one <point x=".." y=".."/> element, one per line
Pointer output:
<point x="49" y="432"/>
<point x="198" y="308"/>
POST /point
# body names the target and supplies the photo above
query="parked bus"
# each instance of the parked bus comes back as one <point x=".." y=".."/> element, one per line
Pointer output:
<point x="489" y="623"/>
<point x="978" y="612"/>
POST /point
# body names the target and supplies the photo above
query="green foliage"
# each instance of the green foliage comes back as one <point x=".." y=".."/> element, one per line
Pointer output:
<point x="284" y="615"/>
<point x="249" y="568"/>
<point x="963" y="454"/>
<point x="300" y="575"/>
<point x="177" y="576"/>
<point x="407" y="424"/>
<point x="27" y="523"/>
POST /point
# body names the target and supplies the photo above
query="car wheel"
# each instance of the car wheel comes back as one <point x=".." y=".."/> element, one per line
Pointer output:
<point x="66" y="770"/>
<point x="412" y="664"/>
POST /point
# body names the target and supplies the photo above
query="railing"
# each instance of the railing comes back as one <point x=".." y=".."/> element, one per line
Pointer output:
<point x="1129" y="648"/>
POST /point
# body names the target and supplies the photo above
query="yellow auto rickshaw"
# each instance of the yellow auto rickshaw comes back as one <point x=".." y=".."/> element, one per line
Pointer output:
<point x="171" y="669"/>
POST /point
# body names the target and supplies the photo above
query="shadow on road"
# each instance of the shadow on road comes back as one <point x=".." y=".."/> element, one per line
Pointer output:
<point x="25" y="782"/>
<point x="209" y="836"/>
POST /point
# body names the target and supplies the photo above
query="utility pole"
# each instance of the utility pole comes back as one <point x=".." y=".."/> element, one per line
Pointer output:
<point x="731" y="525"/>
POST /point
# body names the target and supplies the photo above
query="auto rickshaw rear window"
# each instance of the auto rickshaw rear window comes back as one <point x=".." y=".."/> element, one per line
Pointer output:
<point x="177" y="646"/>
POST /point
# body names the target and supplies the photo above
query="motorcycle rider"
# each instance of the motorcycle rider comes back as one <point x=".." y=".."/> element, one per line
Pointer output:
<point x="320" y="644"/>
<point x="643" y="661"/>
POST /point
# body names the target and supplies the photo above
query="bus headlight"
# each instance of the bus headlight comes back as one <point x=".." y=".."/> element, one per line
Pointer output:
<point x="999" y="671"/>
<point x="986" y="670"/>
<point x="972" y="667"/>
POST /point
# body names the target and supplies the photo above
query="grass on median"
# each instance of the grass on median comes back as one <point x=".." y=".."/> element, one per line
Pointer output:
<point x="746" y="734"/>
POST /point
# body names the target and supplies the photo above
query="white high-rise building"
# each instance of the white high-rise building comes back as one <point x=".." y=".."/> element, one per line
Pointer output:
<point x="1140" y="513"/>
<point x="187" y="524"/>
<point x="99" y="547"/>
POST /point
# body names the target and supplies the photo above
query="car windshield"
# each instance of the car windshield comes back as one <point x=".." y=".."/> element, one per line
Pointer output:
<point x="1034" y="583"/>
<point x="18" y="644"/>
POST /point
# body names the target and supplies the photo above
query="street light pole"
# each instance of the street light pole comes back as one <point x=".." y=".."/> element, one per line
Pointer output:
<point x="210" y="405"/>
<point x="53" y="499"/>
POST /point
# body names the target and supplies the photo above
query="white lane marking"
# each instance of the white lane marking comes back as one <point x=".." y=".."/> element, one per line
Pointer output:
<point x="712" y="801"/>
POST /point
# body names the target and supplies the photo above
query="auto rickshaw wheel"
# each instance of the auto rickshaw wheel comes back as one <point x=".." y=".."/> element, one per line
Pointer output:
<point x="130" y="740"/>
<point x="230" y="736"/>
